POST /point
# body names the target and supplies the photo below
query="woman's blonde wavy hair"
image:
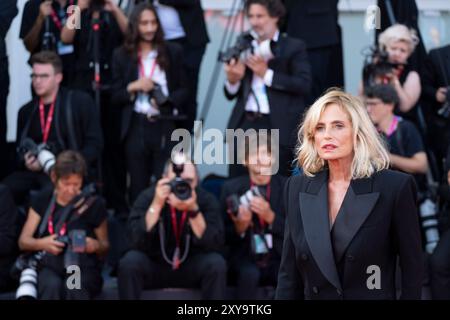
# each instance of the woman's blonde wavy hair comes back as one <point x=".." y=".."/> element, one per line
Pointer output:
<point x="398" y="32"/>
<point x="370" y="153"/>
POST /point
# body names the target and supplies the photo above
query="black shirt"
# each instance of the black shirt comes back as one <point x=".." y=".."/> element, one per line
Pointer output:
<point x="29" y="17"/>
<point x="110" y="38"/>
<point x="91" y="219"/>
<point x="405" y="141"/>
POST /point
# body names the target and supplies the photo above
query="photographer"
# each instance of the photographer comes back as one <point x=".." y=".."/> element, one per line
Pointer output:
<point x="436" y="95"/>
<point x="42" y="22"/>
<point x="255" y="229"/>
<point x="405" y="145"/>
<point x="8" y="238"/>
<point x="150" y="87"/>
<point x="173" y="240"/>
<point x="56" y="118"/>
<point x="90" y="221"/>
<point x="396" y="44"/>
<point x="270" y="84"/>
<point x="102" y="27"/>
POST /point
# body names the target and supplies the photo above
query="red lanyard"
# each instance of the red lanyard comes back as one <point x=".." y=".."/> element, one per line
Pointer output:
<point x="393" y="126"/>
<point x="261" y="221"/>
<point x="45" y="125"/>
<point x="51" y="229"/>
<point x="177" y="231"/>
<point x="142" y="68"/>
<point x="55" y="17"/>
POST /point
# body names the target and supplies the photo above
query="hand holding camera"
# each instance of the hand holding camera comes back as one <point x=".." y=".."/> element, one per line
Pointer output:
<point x="235" y="71"/>
<point x="262" y="208"/>
<point x="51" y="245"/>
<point x="32" y="163"/>
<point x="441" y="94"/>
<point x="257" y="64"/>
<point x="162" y="192"/>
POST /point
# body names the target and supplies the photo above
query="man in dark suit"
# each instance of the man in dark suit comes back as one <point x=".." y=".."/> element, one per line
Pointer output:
<point x="435" y="86"/>
<point x="324" y="45"/>
<point x="270" y="88"/>
<point x="60" y="118"/>
<point x="8" y="11"/>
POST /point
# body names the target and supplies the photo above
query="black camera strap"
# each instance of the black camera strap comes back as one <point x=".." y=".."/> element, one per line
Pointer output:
<point x="47" y="215"/>
<point x="69" y="119"/>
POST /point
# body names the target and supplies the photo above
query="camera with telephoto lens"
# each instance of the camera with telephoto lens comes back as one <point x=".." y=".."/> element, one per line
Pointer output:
<point x="41" y="151"/>
<point x="97" y="5"/>
<point x="444" y="111"/>
<point x="234" y="201"/>
<point x="178" y="186"/>
<point x="243" y="44"/>
<point x="377" y="67"/>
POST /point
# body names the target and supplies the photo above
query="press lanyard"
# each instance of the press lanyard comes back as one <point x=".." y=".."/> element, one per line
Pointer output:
<point x="55" y="17"/>
<point x="46" y="125"/>
<point x="51" y="229"/>
<point x="142" y="68"/>
<point x="177" y="231"/>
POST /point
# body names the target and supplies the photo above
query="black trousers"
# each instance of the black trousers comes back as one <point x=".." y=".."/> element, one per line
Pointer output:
<point x="20" y="183"/>
<point x="4" y="91"/>
<point x="147" y="148"/>
<point x="247" y="276"/>
<point x="285" y="153"/>
<point x="52" y="284"/>
<point x="205" y="271"/>
<point x="440" y="269"/>
<point x="193" y="57"/>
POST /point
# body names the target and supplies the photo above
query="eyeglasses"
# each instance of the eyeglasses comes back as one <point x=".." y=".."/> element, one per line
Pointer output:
<point x="43" y="76"/>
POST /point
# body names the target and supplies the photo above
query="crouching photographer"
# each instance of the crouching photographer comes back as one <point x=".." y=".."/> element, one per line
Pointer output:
<point x="255" y="224"/>
<point x="175" y="228"/>
<point x="65" y="227"/>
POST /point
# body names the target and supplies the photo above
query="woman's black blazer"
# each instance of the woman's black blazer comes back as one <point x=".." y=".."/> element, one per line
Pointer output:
<point x="377" y="222"/>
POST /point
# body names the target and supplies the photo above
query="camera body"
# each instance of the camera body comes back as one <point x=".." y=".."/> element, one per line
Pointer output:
<point x="178" y="186"/>
<point x="97" y="5"/>
<point x="160" y="98"/>
<point x="45" y="157"/>
<point x="243" y="44"/>
<point x="234" y="201"/>
<point x="377" y="67"/>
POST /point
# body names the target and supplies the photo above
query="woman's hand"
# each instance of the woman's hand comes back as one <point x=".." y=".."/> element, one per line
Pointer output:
<point x="51" y="245"/>
<point x="92" y="245"/>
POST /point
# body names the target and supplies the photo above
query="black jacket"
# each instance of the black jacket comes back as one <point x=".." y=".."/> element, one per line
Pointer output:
<point x="291" y="82"/>
<point x="8" y="11"/>
<point x="149" y="242"/>
<point x="8" y="234"/>
<point x="125" y="70"/>
<point x="436" y="74"/>
<point x="85" y="119"/>
<point x="319" y="15"/>
<point x="377" y="222"/>
<point x="240" y="247"/>
<point x="192" y="20"/>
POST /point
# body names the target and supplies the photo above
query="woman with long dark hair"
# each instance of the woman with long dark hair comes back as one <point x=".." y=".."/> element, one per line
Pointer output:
<point x="151" y="89"/>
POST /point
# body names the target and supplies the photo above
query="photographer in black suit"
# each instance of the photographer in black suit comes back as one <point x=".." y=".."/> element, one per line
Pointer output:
<point x="149" y="86"/>
<point x="174" y="231"/>
<point x="270" y="85"/>
<point x="58" y="118"/>
<point x="254" y="225"/>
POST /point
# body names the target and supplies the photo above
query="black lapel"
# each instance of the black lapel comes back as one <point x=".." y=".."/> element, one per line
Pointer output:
<point x="316" y="225"/>
<point x="356" y="207"/>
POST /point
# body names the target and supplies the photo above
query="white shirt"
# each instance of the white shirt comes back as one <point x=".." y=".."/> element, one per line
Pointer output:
<point x="143" y="104"/>
<point x="170" y="21"/>
<point x="258" y="87"/>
